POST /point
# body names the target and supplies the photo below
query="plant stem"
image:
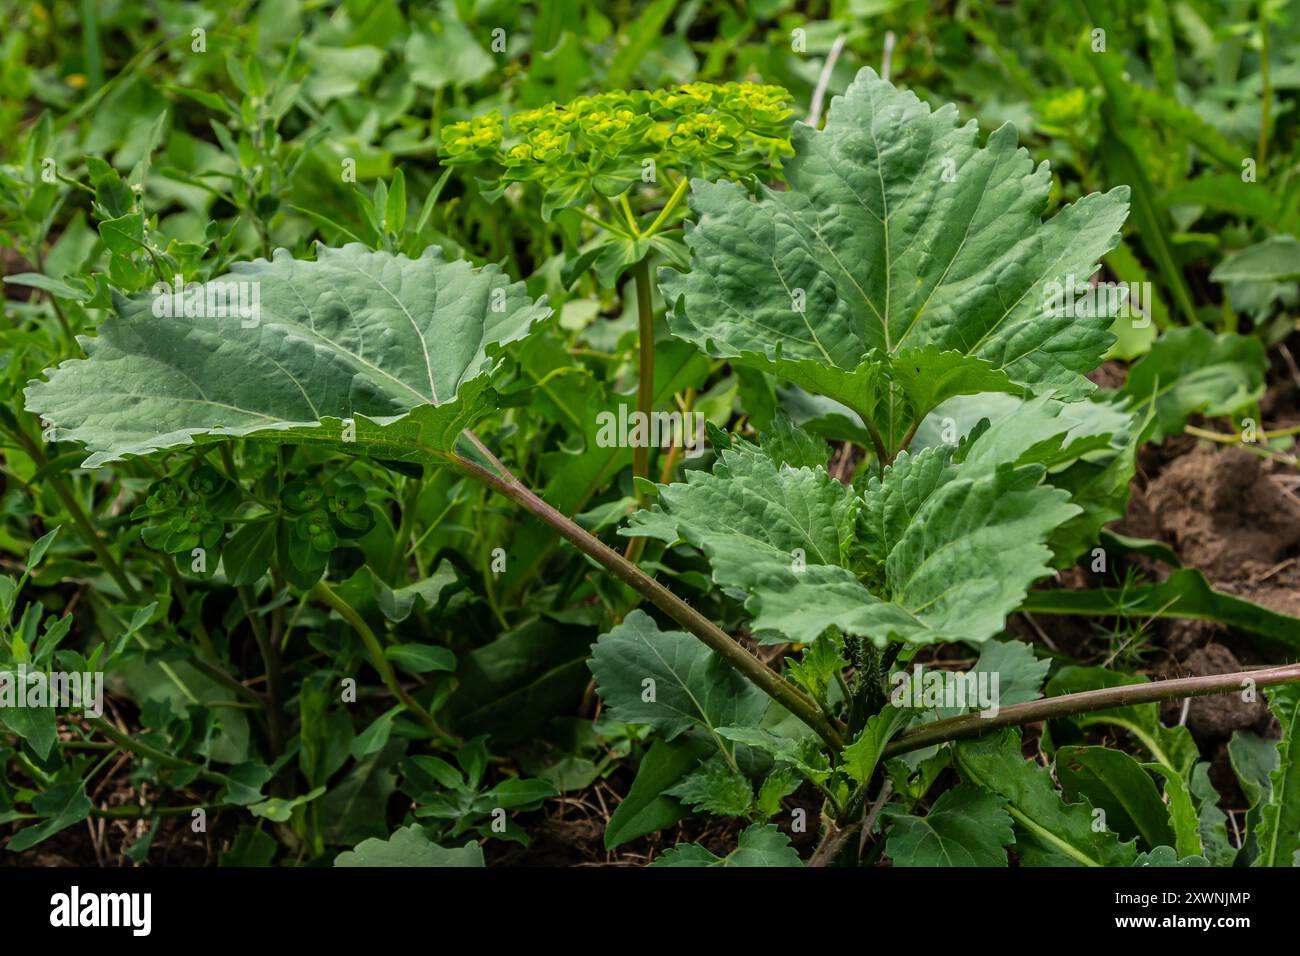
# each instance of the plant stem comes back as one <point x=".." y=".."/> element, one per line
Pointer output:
<point x="670" y="461"/>
<point x="907" y="438"/>
<point x="832" y="842"/>
<point x="645" y="389"/>
<point x="270" y="651"/>
<point x="721" y="643"/>
<point x="669" y="206"/>
<point x="79" y="517"/>
<point x="1066" y="705"/>
<point x="183" y="595"/>
<point x="627" y="213"/>
<point x="141" y="749"/>
<point x="329" y="596"/>
<point x="1266" y="92"/>
<point x="602" y="223"/>
<point x="837" y="832"/>
<point x="410" y="500"/>
<point x="133" y="812"/>
<point x="1231" y="439"/>
<point x="882" y="455"/>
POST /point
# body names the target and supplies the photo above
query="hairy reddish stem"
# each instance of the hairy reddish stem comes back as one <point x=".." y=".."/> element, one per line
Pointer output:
<point x="973" y="725"/>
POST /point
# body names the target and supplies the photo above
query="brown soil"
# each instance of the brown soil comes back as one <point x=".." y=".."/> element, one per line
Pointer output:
<point x="1233" y="515"/>
<point x="1228" y="513"/>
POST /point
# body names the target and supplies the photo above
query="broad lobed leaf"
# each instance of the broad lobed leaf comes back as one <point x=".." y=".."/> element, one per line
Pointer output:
<point x="905" y="264"/>
<point x="941" y="551"/>
<point x="670" y="681"/>
<point x="351" y="335"/>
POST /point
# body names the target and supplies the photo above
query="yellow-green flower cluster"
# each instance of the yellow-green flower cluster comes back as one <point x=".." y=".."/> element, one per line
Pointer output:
<point x="609" y="122"/>
<point x="705" y="135"/>
<point x="473" y="140"/>
<point x="698" y="129"/>
<point x="760" y="109"/>
<point x="701" y="129"/>
<point x="1063" y="109"/>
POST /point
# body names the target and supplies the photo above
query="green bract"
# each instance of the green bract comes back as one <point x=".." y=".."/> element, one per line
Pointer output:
<point x="904" y="265"/>
<point x="341" y="349"/>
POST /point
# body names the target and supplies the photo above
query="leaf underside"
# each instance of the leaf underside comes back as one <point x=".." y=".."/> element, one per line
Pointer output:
<point x="351" y="338"/>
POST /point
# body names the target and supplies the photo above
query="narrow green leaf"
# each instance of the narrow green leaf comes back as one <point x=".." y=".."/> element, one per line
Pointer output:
<point x="1050" y="832"/>
<point x="1212" y="821"/>
<point x="1278" y="832"/>
<point x="1113" y="781"/>
<point x="646" y="808"/>
<point x="1184" y="594"/>
<point x="1183" y="815"/>
<point x="395" y="204"/>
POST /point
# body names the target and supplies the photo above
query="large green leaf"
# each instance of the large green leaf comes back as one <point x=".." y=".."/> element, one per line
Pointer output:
<point x="967" y="826"/>
<point x="520" y="681"/>
<point x="749" y="499"/>
<point x="947" y="548"/>
<point x="357" y="336"/>
<point x="671" y="681"/>
<point x="60" y="807"/>
<point x="1019" y="672"/>
<point x="646" y="808"/>
<point x="904" y="264"/>
<point x="1276" y="259"/>
<point x="1089" y="448"/>
<point x="1115" y="782"/>
<point x="1184" y="594"/>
